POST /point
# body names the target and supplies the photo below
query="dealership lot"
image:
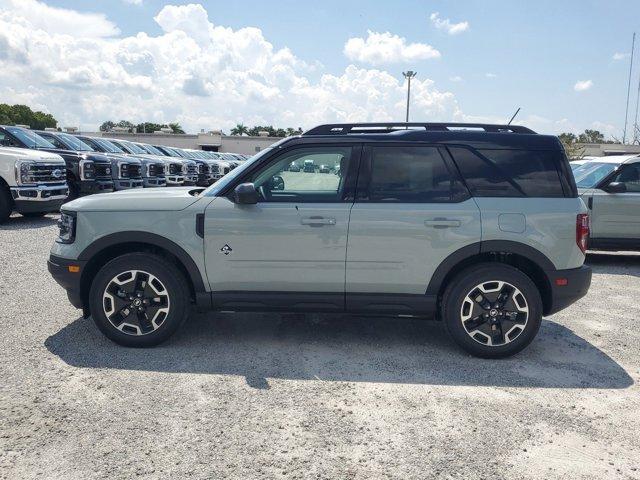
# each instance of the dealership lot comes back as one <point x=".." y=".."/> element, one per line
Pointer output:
<point x="315" y="396"/>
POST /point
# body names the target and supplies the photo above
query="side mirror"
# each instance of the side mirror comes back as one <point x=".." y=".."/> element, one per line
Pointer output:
<point x="245" y="194"/>
<point x="615" y="187"/>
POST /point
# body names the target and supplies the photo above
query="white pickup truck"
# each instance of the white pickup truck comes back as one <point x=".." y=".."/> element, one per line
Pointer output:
<point x="32" y="182"/>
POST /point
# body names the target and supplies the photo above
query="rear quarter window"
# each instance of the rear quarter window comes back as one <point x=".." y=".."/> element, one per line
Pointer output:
<point x="510" y="173"/>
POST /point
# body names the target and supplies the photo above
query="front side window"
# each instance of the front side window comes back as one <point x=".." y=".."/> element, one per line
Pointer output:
<point x="630" y="177"/>
<point x="29" y="138"/>
<point x="276" y="183"/>
<point x="406" y="174"/>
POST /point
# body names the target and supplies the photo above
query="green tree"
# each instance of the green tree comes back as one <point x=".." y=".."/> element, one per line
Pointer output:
<point x="240" y="129"/>
<point x="148" y="127"/>
<point x="569" y="142"/>
<point x="591" y="136"/>
<point x="23" y="115"/>
<point x="107" y="126"/>
<point x="176" y="128"/>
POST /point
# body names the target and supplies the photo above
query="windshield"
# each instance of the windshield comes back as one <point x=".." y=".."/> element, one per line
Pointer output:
<point x="74" y="143"/>
<point x="108" y="146"/>
<point x="152" y="150"/>
<point x="133" y="147"/>
<point x="591" y="173"/>
<point x="29" y="138"/>
<point x="221" y="184"/>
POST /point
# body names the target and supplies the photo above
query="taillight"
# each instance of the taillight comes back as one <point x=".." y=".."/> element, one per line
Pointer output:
<point x="582" y="231"/>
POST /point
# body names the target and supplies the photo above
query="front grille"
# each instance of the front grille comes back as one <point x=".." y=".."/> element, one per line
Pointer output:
<point x="134" y="171"/>
<point x="192" y="169"/>
<point x="215" y="168"/>
<point x="202" y="168"/>
<point x="159" y="169"/>
<point x="46" y="173"/>
<point x="225" y="170"/>
<point x="103" y="170"/>
<point x="175" y="169"/>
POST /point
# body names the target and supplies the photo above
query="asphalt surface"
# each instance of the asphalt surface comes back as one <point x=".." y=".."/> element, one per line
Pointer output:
<point x="318" y="396"/>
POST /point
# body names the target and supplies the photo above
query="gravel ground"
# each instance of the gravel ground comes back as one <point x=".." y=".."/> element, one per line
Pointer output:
<point x="317" y="396"/>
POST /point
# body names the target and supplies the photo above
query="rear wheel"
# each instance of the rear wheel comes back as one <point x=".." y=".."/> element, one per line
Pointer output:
<point x="139" y="299"/>
<point x="6" y="204"/>
<point x="492" y="310"/>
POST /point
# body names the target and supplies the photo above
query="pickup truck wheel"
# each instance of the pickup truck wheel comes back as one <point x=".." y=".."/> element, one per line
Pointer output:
<point x="139" y="299"/>
<point x="6" y="204"/>
<point x="492" y="310"/>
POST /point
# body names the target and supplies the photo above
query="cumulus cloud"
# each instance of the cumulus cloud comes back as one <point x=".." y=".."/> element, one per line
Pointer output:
<point x="446" y="25"/>
<point x="621" y="56"/>
<point x="195" y="72"/>
<point x="583" y="85"/>
<point x="384" y="48"/>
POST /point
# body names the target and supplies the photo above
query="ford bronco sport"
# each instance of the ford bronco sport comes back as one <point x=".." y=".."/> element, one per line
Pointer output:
<point x="479" y="225"/>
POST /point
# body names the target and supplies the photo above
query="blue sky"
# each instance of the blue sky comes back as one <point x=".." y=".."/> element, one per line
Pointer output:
<point x="512" y="54"/>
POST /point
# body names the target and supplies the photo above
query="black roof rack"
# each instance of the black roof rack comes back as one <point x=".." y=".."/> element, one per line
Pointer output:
<point x="347" y="128"/>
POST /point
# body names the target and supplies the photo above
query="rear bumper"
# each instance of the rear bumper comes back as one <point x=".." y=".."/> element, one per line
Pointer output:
<point x="567" y="287"/>
<point x="70" y="281"/>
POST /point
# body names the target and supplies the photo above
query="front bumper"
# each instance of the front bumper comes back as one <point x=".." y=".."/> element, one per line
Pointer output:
<point x="128" y="183"/>
<point x="151" y="182"/>
<point x="190" y="180"/>
<point x="88" y="187"/>
<point x="174" y="180"/>
<point x="42" y="198"/>
<point x="567" y="287"/>
<point x="70" y="281"/>
<point x="204" y="180"/>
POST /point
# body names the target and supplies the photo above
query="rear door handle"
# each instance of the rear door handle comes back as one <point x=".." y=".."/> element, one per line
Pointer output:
<point x="317" y="221"/>
<point x="442" y="223"/>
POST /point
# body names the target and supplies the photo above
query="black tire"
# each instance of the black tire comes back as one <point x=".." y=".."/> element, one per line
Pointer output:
<point x="33" y="214"/>
<point x="456" y="304"/>
<point x="175" y="288"/>
<point x="6" y="204"/>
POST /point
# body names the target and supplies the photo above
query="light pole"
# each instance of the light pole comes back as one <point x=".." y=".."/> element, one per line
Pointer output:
<point x="408" y="75"/>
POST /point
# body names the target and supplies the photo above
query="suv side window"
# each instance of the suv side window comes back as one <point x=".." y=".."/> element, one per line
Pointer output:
<point x="7" y="141"/>
<point x="410" y="174"/>
<point x="276" y="183"/>
<point x="630" y="176"/>
<point x="510" y="173"/>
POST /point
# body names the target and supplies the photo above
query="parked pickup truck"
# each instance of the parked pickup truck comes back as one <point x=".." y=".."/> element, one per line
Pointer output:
<point x="87" y="172"/>
<point x="31" y="183"/>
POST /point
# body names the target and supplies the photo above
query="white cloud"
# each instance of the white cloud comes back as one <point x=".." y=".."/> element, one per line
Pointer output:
<point x="383" y="48"/>
<point x="583" y="85"/>
<point x="51" y="21"/>
<point x="133" y="2"/>
<point x="621" y="56"/>
<point x="447" y="26"/>
<point x="195" y="72"/>
<point x="456" y="78"/>
<point x="490" y="75"/>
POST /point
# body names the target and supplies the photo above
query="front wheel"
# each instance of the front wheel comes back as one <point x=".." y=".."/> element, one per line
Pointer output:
<point x="139" y="299"/>
<point x="492" y="310"/>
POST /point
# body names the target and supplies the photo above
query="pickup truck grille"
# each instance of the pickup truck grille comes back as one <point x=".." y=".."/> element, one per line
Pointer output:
<point x="103" y="170"/>
<point x="192" y="169"/>
<point x="175" y="169"/>
<point x="202" y="168"/>
<point x="46" y="173"/>
<point x="156" y="169"/>
<point x="134" y="171"/>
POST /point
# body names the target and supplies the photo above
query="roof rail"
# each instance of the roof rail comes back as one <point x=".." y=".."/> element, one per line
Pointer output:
<point x="347" y="128"/>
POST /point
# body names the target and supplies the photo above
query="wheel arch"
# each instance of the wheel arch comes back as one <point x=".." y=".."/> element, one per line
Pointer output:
<point x="111" y="246"/>
<point x="530" y="261"/>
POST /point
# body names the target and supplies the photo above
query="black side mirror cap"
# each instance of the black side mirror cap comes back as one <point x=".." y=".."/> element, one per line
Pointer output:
<point x="245" y="194"/>
<point x="615" y="187"/>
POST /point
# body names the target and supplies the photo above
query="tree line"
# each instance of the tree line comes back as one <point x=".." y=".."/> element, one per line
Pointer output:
<point x="144" y="127"/>
<point x="23" y="115"/>
<point x="241" y="129"/>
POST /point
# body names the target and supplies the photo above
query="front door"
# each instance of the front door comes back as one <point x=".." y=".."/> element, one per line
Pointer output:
<point x="288" y="250"/>
<point x="411" y="212"/>
<point x="617" y="215"/>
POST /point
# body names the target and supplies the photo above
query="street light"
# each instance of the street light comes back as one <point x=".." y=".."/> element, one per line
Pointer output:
<point x="408" y="75"/>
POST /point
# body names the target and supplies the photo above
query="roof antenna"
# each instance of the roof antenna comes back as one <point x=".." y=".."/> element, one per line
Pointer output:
<point x="514" y="116"/>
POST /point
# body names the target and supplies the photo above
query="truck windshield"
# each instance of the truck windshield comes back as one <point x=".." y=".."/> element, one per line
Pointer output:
<point x="108" y="146"/>
<point x="591" y="173"/>
<point x="133" y="147"/>
<point x="74" y="143"/>
<point x="29" y="138"/>
<point x="152" y="150"/>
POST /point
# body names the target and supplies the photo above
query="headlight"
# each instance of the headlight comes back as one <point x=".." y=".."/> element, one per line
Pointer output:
<point x="87" y="170"/>
<point x="67" y="227"/>
<point x="24" y="173"/>
<point x="123" y="170"/>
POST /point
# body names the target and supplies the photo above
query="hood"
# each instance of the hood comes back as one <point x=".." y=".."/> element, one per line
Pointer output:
<point x="93" y="156"/>
<point x="30" y="154"/>
<point x="119" y="157"/>
<point x="137" y="200"/>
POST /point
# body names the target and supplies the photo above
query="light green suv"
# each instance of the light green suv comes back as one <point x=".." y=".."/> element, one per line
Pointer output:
<point x="610" y="186"/>
<point x="480" y="226"/>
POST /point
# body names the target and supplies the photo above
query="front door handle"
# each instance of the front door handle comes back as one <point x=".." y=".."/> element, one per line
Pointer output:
<point x="442" y="223"/>
<point x="317" y="221"/>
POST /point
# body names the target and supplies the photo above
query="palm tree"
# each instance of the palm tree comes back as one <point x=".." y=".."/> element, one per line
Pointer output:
<point x="240" y="129"/>
<point x="176" y="127"/>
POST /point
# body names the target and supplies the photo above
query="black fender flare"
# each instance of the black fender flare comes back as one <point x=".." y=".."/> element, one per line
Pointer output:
<point x="478" y="248"/>
<point x="151" y="239"/>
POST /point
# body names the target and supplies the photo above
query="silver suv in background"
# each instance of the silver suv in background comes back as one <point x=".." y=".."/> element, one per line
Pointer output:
<point x="610" y="186"/>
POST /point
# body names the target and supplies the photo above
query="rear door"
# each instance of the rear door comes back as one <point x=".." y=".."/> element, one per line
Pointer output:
<point x="617" y="215"/>
<point x="411" y="212"/>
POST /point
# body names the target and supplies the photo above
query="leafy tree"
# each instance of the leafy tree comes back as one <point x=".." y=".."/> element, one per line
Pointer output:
<point x="126" y="124"/>
<point x="176" y="128"/>
<point x="591" y="136"/>
<point x="569" y="142"/>
<point x="148" y="127"/>
<point x="23" y="115"/>
<point x="240" y="129"/>
<point x="107" y="126"/>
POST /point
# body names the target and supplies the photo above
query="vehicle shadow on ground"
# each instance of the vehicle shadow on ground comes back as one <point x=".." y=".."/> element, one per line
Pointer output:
<point x="16" y="222"/>
<point x="614" y="263"/>
<point x="343" y="348"/>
